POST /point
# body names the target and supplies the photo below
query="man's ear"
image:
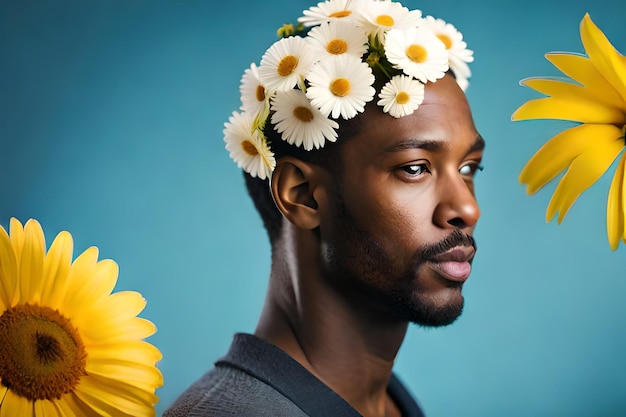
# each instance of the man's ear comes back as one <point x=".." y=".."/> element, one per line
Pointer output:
<point x="294" y="185"/>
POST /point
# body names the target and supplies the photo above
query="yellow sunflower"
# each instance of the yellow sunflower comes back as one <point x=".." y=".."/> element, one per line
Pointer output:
<point x="68" y="347"/>
<point x="595" y="97"/>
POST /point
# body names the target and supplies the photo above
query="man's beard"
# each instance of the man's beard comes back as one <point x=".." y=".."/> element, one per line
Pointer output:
<point x="358" y="264"/>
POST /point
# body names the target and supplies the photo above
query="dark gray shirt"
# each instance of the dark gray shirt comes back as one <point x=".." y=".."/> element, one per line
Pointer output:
<point x="257" y="379"/>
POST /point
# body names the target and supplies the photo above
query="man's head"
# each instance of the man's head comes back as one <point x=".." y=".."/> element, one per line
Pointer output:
<point x="385" y="185"/>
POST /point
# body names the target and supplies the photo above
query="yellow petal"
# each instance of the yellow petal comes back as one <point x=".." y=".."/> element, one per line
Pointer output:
<point x="16" y="231"/>
<point x="583" y="172"/>
<point x="138" y="351"/>
<point x="91" y="288"/>
<point x="79" y="275"/>
<point x="567" y="109"/>
<point x="117" y="308"/>
<point x="56" y="269"/>
<point x="31" y="262"/>
<point x="8" y="272"/>
<point x="556" y="154"/>
<point x="582" y="70"/>
<point x="571" y="92"/>
<point x="109" y="399"/>
<point x="145" y="378"/>
<point x="45" y="408"/>
<point x="604" y="56"/>
<point x="114" y="331"/>
<point x="615" y="206"/>
<point x="14" y="405"/>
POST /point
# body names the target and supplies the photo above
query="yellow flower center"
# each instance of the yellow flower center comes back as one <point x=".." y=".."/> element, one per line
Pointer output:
<point x="417" y="53"/>
<point x="446" y="40"/>
<point x="249" y="148"/>
<point x="260" y="93"/>
<point x="287" y="65"/>
<point x="340" y="87"/>
<point x="337" y="47"/>
<point x="303" y="114"/>
<point x="341" y="13"/>
<point x="402" y="97"/>
<point x="384" y="20"/>
<point x="42" y="355"/>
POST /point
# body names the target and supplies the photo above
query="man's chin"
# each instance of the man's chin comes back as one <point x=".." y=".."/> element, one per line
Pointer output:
<point x="428" y="313"/>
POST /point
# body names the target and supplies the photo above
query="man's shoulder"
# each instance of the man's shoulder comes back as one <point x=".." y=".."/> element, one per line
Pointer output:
<point x="228" y="391"/>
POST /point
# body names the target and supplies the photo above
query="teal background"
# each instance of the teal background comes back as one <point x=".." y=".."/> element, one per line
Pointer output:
<point x="111" y="117"/>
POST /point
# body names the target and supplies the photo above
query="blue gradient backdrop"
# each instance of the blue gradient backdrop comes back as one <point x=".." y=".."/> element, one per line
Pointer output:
<point x="111" y="117"/>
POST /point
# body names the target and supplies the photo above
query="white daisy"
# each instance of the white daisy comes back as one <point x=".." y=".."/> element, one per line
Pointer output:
<point x="329" y="10"/>
<point x="338" y="37"/>
<point x="286" y="63"/>
<point x="340" y="86"/>
<point x="247" y="147"/>
<point x="401" y="96"/>
<point x="252" y="90"/>
<point x="458" y="54"/>
<point x="417" y="52"/>
<point x="299" y="123"/>
<point x="381" y="16"/>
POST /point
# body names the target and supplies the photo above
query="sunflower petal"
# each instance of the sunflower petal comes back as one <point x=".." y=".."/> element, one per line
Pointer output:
<point x="615" y="206"/>
<point x="556" y="154"/>
<point x="141" y="377"/>
<point x="604" y="56"/>
<point x="16" y="231"/>
<point x="56" y="268"/>
<point x="567" y="109"/>
<point x="115" y="399"/>
<point x="8" y="272"/>
<point x="31" y="262"/>
<point x="138" y="351"/>
<point x="46" y="408"/>
<point x="585" y="170"/>
<point x="15" y="405"/>
<point x="581" y="69"/>
<point x="568" y="91"/>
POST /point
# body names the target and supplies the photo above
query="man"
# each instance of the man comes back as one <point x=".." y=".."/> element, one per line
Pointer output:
<point x="368" y="232"/>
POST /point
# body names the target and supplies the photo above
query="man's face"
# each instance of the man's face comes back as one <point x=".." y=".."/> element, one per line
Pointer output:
<point x="398" y="230"/>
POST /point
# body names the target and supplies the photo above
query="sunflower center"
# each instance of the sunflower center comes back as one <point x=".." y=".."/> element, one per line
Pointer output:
<point x="402" y="97"/>
<point x="260" y="93"/>
<point x="417" y="53"/>
<point x="249" y="148"/>
<point x="340" y="13"/>
<point x="340" y="87"/>
<point x="337" y="47"/>
<point x="446" y="40"/>
<point x="41" y="354"/>
<point x="384" y="20"/>
<point x="303" y="114"/>
<point x="287" y="65"/>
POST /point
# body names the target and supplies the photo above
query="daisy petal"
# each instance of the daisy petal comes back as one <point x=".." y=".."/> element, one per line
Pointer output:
<point x="615" y="206"/>
<point x="585" y="170"/>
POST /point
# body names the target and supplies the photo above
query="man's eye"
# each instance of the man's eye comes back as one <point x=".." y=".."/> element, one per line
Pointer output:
<point x="470" y="169"/>
<point x="416" y="169"/>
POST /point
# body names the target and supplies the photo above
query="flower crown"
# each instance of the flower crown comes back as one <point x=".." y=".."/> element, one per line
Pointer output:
<point x="324" y="68"/>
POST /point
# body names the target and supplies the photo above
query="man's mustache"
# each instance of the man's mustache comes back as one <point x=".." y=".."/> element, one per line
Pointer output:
<point x="456" y="238"/>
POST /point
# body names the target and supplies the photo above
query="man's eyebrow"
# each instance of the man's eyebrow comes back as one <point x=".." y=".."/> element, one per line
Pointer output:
<point x="431" y="145"/>
<point x="479" y="144"/>
<point x="426" y="144"/>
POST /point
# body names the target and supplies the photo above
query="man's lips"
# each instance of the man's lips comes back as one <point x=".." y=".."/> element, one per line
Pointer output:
<point x="454" y="264"/>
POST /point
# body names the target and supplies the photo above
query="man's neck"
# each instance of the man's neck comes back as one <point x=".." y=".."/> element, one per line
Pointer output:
<point x="342" y="343"/>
